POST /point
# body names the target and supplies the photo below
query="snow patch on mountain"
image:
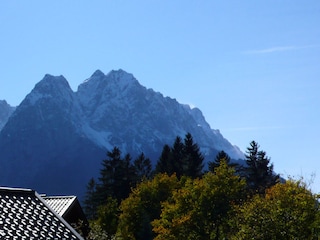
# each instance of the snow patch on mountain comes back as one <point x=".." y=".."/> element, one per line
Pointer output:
<point x="114" y="109"/>
<point x="102" y="138"/>
<point x="63" y="132"/>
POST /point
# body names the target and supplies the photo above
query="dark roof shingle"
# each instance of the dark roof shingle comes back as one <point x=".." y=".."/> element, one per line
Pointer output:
<point x="25" y="215"/>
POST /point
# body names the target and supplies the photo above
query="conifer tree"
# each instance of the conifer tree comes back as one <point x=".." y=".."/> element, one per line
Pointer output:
<point x="165" y="163"/>
<point x="142" y="167"/>
<point x="193" y="159"/>
<point x="222" y="155"/>
<point x="259" y="172"/>
<point x="116" y="176"/>
<point x="107" y="177"/>
<point x="183" y="158"/>
<point x="90" y="201"/>
<point x="125" y="178"/>
<point x="177" y="152"/>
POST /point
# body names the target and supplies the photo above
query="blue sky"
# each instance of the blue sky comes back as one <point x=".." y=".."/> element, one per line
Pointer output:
<point x="252" y="67"/>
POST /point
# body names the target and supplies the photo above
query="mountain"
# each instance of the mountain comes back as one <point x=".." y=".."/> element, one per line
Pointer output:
<point x="5" y="112"/>
<point x="56" y="139"/>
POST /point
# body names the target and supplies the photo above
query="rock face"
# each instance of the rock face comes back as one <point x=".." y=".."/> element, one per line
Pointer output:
<point x="5" y="112"/>
<point x="56" y="139"/>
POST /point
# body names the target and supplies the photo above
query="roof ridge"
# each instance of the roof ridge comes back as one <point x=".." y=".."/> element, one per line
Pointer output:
<point x="17" y="190"/>
<point x="70" y="196"/>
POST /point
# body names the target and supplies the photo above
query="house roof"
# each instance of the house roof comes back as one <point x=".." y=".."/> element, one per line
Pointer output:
<point x="69" y="208"/>
<point x="60" y="204"/>
<point x="25" y="215"/>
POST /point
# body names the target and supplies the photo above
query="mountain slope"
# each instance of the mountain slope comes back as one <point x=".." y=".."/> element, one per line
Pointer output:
<point x="56" y="138"/>
<point x="41" y="147"/>
<point x="5" y="112"/>
<point x="120" y="108"/>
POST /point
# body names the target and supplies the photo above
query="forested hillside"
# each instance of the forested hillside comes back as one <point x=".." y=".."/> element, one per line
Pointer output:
<point x="179" y="200"/>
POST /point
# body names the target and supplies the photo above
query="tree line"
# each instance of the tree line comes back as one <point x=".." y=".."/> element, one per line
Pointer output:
<point x="178" y="199"/>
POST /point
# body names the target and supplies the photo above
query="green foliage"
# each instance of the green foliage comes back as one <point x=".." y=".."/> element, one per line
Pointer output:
<point x="97" y="233"/>
<point x="144" y="205"/>
<point x="200" y="208"/>
<point x="128" y="202"/>
<point x="287" y="211"/>
<point x="117" y="176"/>
<point x="107" y="216"/>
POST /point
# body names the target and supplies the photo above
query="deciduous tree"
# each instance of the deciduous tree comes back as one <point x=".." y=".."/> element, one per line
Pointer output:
<point x="287" y="211"/>
<point x="199" y="210"/>
<point x="143" y="206"/>
<point x="107" y="217"/>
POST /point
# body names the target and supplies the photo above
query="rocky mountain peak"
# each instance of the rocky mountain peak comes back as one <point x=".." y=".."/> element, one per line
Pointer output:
<point x="62" y="136"/>
<point x="50" y="87"/>
<point x="52" y="83"/>
<point x="97" y="74"/>
<point x="101" y="89"/>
